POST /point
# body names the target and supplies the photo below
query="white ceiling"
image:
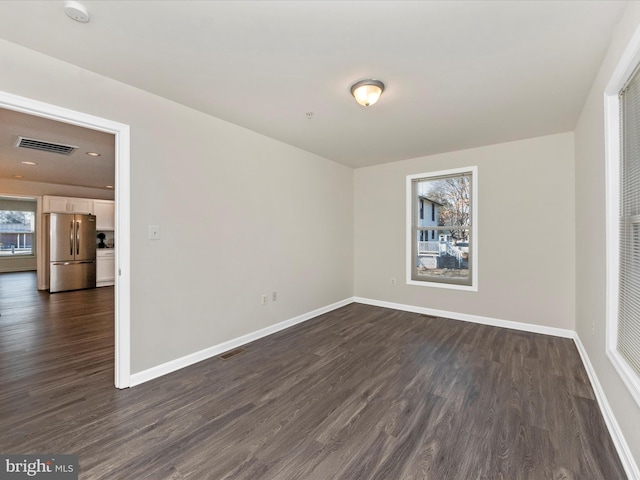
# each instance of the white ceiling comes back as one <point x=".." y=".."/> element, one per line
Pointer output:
<point x="457" y="74"/>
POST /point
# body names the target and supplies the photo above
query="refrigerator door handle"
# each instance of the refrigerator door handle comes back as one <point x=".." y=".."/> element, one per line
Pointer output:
<point x="77" y="238"/>
<point x="73" y="263"/>
<point x="71" y="238"/>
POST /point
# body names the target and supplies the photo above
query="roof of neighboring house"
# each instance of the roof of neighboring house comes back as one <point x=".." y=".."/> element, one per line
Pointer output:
<point x="431" y="200"/>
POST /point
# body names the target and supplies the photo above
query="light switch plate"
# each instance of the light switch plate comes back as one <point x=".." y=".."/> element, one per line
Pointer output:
<point x="154" y="232"/>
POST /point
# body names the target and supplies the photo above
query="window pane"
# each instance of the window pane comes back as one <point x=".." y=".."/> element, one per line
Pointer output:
<point x="448" y="199"/>
<point x="16" y="232"/>
<point x="629" y="327"/>
<point x="443" y="259"/>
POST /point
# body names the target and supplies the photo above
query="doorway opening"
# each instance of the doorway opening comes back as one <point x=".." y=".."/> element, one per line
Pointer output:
<point x="121" y="134"/>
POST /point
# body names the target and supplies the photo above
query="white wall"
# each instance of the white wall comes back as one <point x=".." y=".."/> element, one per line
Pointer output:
<point x="525" y="191"/>
<point x="200" y="179"/>
<point x="18" y="263"/>
<point x="590" y="236"/>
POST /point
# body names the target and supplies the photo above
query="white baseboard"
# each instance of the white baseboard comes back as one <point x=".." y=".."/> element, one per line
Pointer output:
<point x="526" y="327"/>
<point x="628" y="462"/>
<point x="178" y="363"/>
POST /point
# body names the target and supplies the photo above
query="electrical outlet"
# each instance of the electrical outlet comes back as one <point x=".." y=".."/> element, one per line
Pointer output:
<point x="274" y="296"/>
<point x="393" y="280"/>
<point x="264" y="299"/>
<point x="154" y="232"/>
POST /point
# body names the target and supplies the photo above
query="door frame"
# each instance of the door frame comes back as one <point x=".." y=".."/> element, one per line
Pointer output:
<point x="122" y="308"/>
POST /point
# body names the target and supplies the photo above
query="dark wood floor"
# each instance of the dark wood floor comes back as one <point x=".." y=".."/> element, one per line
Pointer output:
<point x="360" y="393"/>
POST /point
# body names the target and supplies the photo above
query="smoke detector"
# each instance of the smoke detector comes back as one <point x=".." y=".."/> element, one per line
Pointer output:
<point x="76" y="11"/>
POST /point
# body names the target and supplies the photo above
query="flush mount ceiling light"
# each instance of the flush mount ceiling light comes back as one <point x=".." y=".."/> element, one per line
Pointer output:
<point x="367" y="92"/>
<point x="93" y="154"/>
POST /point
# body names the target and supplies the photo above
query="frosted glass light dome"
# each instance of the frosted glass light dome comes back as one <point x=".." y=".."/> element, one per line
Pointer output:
<point x="367" y="92"/>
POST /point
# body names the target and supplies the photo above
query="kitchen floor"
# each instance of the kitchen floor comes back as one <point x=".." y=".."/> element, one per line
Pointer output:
<point x="53" y="349"/>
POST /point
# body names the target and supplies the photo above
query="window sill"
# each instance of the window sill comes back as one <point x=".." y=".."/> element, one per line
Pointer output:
<point x="452" y="286"/>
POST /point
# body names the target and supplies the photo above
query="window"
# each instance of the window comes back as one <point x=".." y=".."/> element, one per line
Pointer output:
<point x="16" y="233"/>
<point x="622" y="106"/>
<point x="449" y="258"/>
<point x="629" y="221"/>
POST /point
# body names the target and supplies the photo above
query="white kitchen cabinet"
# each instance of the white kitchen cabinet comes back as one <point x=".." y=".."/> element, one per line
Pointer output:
<point x="105" y="214"/>
<point x="105" y="267"/>
<point x="55" y="204"/>
<point x="66" y="204"/>
<point x="80" y="205"/>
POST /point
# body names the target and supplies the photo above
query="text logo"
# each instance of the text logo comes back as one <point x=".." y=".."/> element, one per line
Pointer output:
<point x="45" y="467"/>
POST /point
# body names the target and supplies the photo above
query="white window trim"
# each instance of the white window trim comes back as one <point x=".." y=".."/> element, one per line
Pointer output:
<point x="474" y="229"/>
<point x="628" y="62"/>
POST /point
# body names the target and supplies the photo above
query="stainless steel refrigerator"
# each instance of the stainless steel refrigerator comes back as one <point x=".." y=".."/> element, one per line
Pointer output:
<point x="71" y="251"/>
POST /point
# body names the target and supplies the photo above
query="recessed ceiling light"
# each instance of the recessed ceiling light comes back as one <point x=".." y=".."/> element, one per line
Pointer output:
<point x="29" y="163"/>
<point x="76" y="11"/>
<point x="18" y="176"/>
<point x="93" y="154"/>
<point x="109" y="186"/>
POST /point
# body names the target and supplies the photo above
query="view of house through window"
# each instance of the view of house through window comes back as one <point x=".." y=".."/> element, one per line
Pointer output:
<point x="16" y="232"/>
<point x="441" y="228"/>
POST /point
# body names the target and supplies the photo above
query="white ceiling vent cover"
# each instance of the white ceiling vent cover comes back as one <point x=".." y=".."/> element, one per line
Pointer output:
<point x="44" y="146"/>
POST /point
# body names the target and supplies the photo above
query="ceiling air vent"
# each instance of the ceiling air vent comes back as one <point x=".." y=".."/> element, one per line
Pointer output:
<point x="41" y="145"/>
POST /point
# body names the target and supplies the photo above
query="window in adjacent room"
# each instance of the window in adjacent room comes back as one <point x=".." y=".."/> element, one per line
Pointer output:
<point x="17" y="226"/>
<point x="448" y="256"/>
<point x="622" y="99"/>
